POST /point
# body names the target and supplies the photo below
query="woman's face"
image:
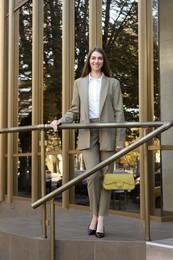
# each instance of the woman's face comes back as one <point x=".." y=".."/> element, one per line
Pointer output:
<point x="96" y="61"/>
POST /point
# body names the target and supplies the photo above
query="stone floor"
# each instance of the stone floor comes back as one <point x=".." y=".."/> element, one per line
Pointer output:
<point x="73" y="223"/>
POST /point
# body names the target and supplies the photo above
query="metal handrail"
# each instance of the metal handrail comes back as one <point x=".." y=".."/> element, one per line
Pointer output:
<point x="87" y="173"/>
<point x="83" y="126"/>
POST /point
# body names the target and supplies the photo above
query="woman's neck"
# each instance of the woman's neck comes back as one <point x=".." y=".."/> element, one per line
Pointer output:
<point x="96" y="74"/>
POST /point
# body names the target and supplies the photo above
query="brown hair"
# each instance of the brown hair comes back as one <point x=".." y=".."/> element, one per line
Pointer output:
<point x="87" y="68"/>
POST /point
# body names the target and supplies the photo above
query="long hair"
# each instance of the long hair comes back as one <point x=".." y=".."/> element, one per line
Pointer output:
<point x="87" y="68"/>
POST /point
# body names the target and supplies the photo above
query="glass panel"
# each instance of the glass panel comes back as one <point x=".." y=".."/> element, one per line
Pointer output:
<point x="53" y="85"/>
<point x="24" y="176"/>
<point x="120" y="41"/>
<point x="52" y="59"/>
<point x="25" y="94"/>
<point x="25" y="62"/>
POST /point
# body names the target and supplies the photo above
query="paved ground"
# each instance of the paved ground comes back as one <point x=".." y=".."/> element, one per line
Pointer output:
<point x="72" y="224"/>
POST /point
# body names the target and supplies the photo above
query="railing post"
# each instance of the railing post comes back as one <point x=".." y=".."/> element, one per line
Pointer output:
<point x="146" y="191"/>
<point x="52" y="230"/>
<point x="43" y="186"/>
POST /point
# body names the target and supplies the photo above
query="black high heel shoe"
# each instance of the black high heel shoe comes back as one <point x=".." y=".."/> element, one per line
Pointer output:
<point x="91" y="231"/>
<point x="99" y="234"/>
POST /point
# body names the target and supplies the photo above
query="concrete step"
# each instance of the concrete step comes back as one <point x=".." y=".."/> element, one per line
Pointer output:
<point x="159" y="250"/>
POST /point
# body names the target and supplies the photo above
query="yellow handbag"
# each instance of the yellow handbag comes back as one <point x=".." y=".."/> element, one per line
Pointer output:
<point x="118" y="181"/>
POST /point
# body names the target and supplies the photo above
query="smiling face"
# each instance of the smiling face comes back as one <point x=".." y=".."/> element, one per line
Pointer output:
<point x="96" y="61"/>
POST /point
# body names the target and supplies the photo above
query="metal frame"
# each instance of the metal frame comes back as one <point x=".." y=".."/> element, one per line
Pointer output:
<point x="145" y="38"/>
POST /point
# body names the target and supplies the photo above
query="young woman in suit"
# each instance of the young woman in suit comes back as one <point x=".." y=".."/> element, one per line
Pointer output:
<point x="97" y="98"/>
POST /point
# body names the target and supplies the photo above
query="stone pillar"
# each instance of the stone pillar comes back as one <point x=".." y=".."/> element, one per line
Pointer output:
<point x="166" y="98"/>
<point x="146" y="107"/>
<point x="2" y="99"/>
<point x="67" y="89"/>
<point x="37" y="90"/>
<point x="10" y="106"/>
<point x="95" y="23"/>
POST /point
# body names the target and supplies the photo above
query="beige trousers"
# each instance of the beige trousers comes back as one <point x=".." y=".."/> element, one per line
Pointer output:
<point x="99" y="197"/>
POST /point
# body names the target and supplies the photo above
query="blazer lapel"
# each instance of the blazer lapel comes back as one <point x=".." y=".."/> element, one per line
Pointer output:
<point x="84" y="88"/>
<point x="103" y="92"/>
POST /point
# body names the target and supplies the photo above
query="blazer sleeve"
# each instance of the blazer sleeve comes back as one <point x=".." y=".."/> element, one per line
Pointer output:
<point x="119" y="113"/>
<point x="73" y="113"/>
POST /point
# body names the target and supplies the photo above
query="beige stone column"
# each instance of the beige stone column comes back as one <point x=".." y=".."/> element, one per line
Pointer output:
<point x="15" y="98"/>
<point x="145" y="38"/>
<point x="11" y="93"/>
<point x="166" y="98"/>
<point x="12" y="105"/>
<point x="37" y="91"/>
<point x="2" y="97"/>
<point x="67" y="88"/>
<point x="95" y="23"/>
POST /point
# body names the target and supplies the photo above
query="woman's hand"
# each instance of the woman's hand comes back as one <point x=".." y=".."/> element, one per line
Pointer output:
<point x="55" y="124"/>
<point x="119" y="148"/>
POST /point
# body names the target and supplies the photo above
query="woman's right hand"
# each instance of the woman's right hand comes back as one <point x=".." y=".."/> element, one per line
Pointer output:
<point x="55" y="124"/>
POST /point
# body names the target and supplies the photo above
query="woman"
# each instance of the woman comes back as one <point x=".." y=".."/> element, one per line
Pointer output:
<point x="97" y="98"/>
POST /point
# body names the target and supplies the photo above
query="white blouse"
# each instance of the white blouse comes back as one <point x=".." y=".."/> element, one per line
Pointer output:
<point x="94" y="96"/>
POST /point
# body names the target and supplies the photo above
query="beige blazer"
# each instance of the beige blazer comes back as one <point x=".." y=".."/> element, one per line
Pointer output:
<point x="111" y="110"/>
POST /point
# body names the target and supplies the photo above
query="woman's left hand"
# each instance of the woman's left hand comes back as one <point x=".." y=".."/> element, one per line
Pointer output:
<point x="119" y="148"/>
